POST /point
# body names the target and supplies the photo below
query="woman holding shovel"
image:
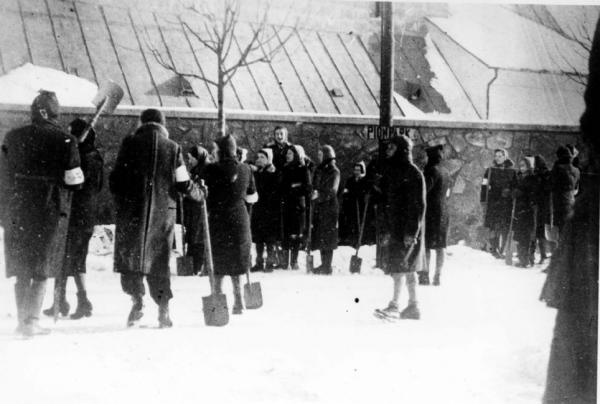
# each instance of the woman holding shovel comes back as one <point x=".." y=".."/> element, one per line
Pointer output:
<point x="524" y="191"/>
<point x="230" y="186"/>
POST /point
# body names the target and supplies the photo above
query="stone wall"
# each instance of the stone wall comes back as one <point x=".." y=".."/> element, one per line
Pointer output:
<point x="468" y="146"/>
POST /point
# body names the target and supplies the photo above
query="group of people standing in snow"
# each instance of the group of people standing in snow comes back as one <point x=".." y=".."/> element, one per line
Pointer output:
<point x="528" y="198"/>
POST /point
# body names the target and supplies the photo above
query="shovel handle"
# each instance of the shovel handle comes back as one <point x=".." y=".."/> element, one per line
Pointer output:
<point x="207" y="245"/>
<point x="94" y="120"/>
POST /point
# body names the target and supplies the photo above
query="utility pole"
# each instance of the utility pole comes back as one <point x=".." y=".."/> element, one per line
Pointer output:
<point x="387" y="64"/>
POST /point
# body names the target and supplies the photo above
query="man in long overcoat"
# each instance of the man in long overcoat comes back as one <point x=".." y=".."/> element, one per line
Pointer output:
<point x="403" y="188"/>
<point x="564" y="179"/>
<point x="230" y="186"/>
<point x="148" y="174"/>
<point x="40" y="167"/>
<point x="325" y="188"/>
<point x="437" y="181"/>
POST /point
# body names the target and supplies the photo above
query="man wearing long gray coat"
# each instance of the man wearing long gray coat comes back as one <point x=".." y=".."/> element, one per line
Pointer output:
<point x="145" y="182"/>
<point x="39" y="167"/>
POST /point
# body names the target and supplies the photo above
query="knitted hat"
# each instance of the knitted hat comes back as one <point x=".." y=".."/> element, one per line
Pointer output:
<point x="268" y="153"/>
<point x="227" y="147"/>
<point x="47" y="101"/>
<point x="153" y="115"/>
<point x="328" y="152"/>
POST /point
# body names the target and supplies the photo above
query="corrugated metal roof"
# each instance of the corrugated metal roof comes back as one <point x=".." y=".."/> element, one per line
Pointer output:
<point x="100" y="42"/>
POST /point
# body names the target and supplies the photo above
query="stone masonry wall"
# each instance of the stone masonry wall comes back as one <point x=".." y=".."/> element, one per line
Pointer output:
<point x="468" y="151"/>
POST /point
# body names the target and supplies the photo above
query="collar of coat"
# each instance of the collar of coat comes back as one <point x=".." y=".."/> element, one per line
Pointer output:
<point x="155" y="126"/>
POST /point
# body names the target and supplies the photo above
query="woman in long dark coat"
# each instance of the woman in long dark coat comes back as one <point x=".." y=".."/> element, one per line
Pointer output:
<point x="404" y="201"/>
<point x="524" y="228"/>
<point x="266" y="213"/>
<point x="230" y="186"/>
<point x="192" y="210"/>
<point x="542" y="202"/>
<point x="353" y="194"/>
<point x="295" y="190"/>
<point x="325" y="188"/>
<point x="437" y="182"/>
<point x="565" y="180"/>
<point x="84" y="209"/>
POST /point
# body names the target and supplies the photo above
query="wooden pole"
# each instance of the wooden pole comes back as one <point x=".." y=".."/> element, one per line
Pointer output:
<point x="387" y="64"/>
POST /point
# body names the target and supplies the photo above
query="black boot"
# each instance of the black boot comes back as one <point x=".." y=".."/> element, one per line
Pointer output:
<point x="294" y="259"/>
<point x="34" y="301"/>
<point x="326" y="260"/>
<point x="260" y="263"/>
<point x="285" y="262"/>
<point x="164" y="320"/>
<point x="136" y="312"/>
<point x="64" y="307"/>
<point x="84" y="306"/>
<point x="423" y="278"/>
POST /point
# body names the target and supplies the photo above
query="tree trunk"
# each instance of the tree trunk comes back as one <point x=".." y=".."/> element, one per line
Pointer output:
<point x="220" y="110"/>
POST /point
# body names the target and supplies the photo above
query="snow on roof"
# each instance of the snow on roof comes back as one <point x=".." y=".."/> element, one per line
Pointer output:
<point x="21" y="86"/>
<point x="409" y="110"/>
<point x="503" y="39"/>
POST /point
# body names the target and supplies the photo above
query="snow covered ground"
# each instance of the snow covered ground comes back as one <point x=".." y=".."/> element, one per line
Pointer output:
<point x="483" y="338"/>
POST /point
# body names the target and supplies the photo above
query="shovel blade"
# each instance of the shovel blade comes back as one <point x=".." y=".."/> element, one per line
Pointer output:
<point x="355" y="264"/>
<point x="309" y="264"/>
<point x="113" y="94"/>
<point x="185" y="266"/>
<point x="216" y="313"/>
<point x="253" y="296"/>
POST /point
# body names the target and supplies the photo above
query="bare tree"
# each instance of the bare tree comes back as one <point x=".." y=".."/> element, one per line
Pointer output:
<point x="219" y="27"/>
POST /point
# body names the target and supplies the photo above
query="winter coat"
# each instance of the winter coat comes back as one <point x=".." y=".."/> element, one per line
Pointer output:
<point x="325" y="220"/>
<point x="295" y="189"/>
<point x="192" y="217"/>
<point x="404" y="203"/>
<point x="37" y="163"/>
<point x="524" y="189"/>
<point x="355" y="191"/>
<point x="279" y="152"/>
<point x="437" y="181"/>
<point x="266" y="215"/>
<point x="148" y="174"/>
<point x="229" y="183"/>
<point x="84" y="212"/>
<point x="495" y="191"/>
<point x="565" y="180"/>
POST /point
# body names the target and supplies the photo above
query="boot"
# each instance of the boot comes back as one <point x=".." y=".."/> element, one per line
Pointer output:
<point x="390" y="312"/>
<point x="411" y="312"/>
<point x="436" y="280"/>
<point x="326" y="259"/>
<point x="259" y="267"/>
<point x="136" y="312"/>
<point x="423" y="278"/>
<point x="164" y="320"/>
<point x="294" y="259"/>
<point x="271" y="258"/>
<point x="260" y="264"/>
<point x="21" y="290"/>
<point x="84" y="306"/>
<point x="64" y="307"/>
<point x="285" y="261"/>
<point x="35" y="299"/>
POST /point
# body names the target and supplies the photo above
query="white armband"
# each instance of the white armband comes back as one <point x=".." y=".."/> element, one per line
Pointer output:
<point x="181" y="174"/>
<point x="484" y="182"/>
<point x="74" y="176"/>
<point x="252" y="198"/>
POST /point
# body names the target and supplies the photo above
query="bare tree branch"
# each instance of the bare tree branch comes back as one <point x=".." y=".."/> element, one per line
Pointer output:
<point x="210" y="44"/>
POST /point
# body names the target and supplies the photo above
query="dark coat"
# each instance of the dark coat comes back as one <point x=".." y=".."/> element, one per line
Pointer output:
<point x="84" y="212"/>
<point x="437" y="181"/>
<point x="36" y="202"/>
<point x="148" y="174"/>
<point x="542" y="200"/>
<point x="229" y="183"/>
<point x="192" y="217"/>
<point x="565" y="179"/>
<point x="355" y="191"/>
<point x="325" y="220"/>
<point x="279" y="152"/>
<point x="266" y="215"/>
<point x="496" y="193"/>
<point x="525" y="188"/>
<point x="295" y="189"/>
<point x="404" y="203"/>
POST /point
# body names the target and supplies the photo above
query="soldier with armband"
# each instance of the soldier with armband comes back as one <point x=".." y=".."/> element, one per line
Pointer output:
<point x="39" y="168"/>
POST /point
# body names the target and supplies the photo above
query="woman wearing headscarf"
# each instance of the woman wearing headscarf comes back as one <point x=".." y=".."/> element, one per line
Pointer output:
<point x="565" y="180"/>
<point x="326" y="182"/>
<point x="230" y="186"/>
<point x="266" y="214"/>
<point x="192" y="210"/>
<point x="84" y="209"/>
<point x="295" y="190"/>
<point x="524" y="229"/>
<point x="437" y="181"/>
